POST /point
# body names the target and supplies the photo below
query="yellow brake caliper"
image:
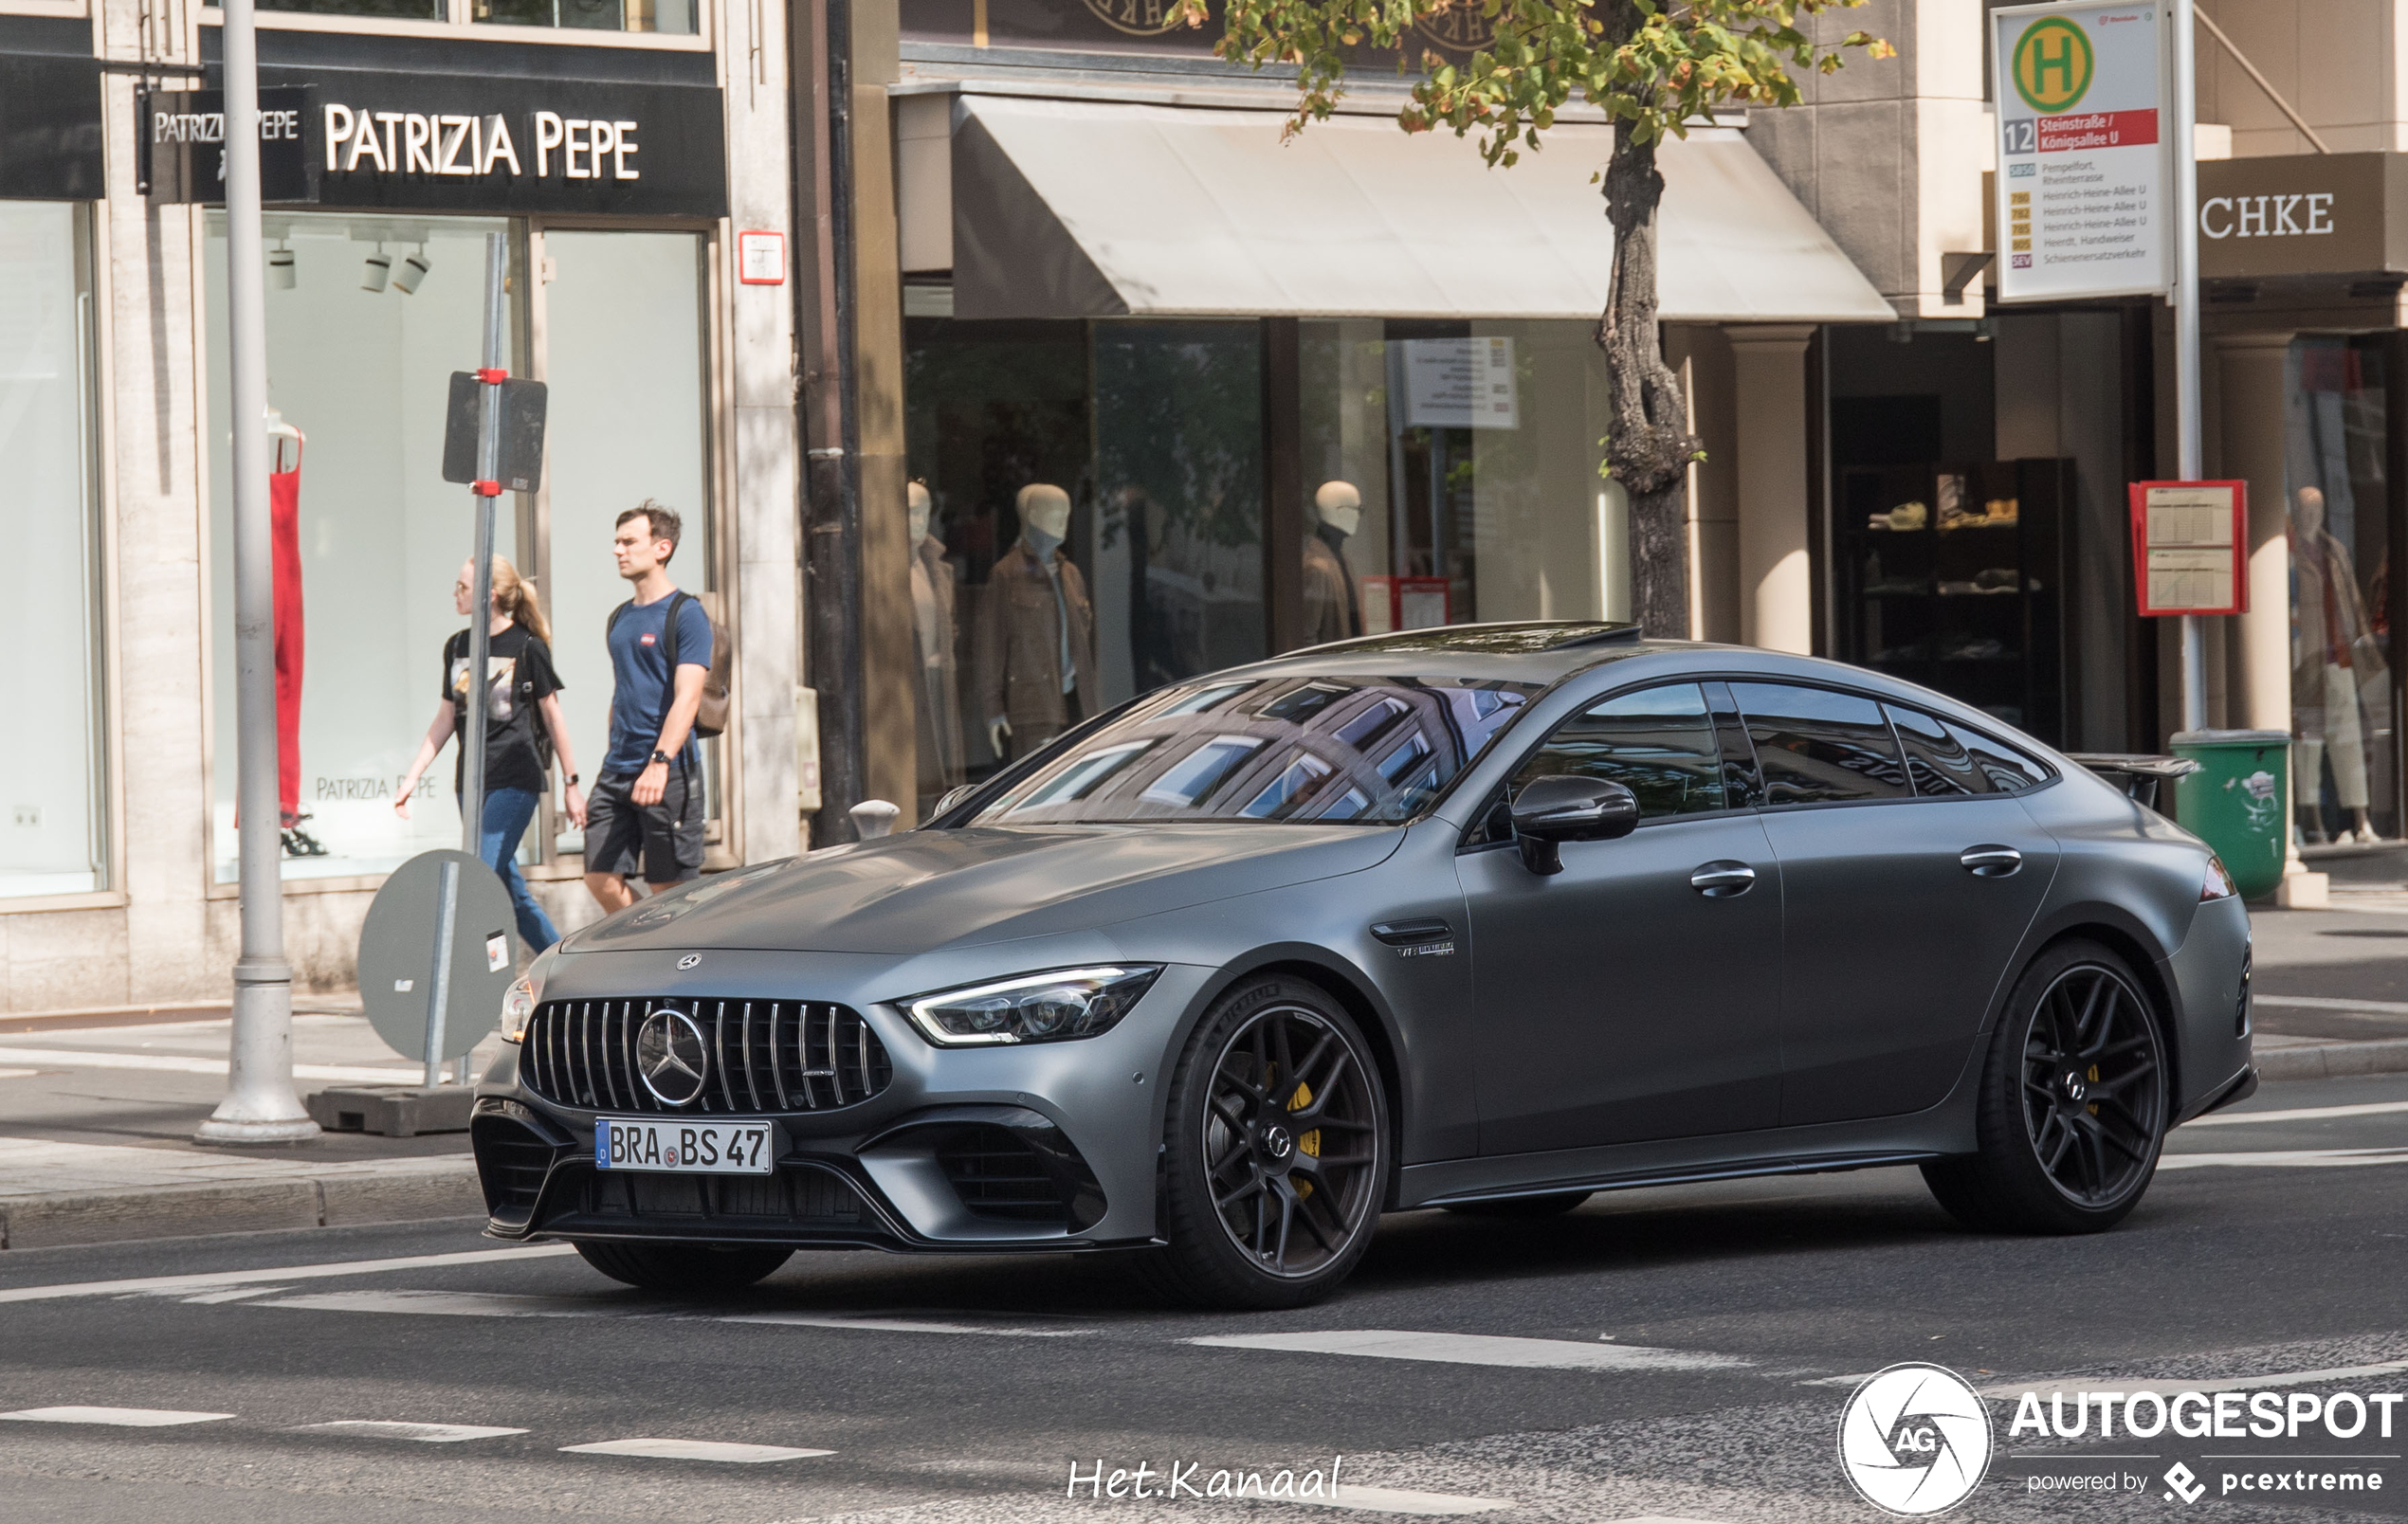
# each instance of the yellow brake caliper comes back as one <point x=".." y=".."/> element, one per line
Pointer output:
<point x="1308" y="1142"/>
<point x="2094" y="1080"/>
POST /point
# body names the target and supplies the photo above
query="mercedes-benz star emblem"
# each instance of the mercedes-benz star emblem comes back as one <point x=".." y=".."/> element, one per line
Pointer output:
<point x="690" y="960"/>
<point x="670" y="1055"/>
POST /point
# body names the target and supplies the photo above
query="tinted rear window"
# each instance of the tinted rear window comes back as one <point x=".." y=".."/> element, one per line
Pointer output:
<point x="1368" y="750"/>
<point x="1815" y="746"/>
<point x="1945" y="760"/>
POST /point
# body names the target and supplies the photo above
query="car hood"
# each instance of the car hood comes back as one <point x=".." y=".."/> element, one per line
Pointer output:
<point x="923" y="890"/>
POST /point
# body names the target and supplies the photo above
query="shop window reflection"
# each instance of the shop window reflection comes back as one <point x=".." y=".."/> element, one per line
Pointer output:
<point x="674" y="17"/>
<point x="2345" y="774"/>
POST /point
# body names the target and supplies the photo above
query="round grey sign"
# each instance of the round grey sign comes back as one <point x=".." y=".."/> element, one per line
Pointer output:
<point x="397" y="955"/>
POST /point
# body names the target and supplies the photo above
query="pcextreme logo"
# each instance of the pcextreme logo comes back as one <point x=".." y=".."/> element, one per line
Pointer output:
<point x="2052" y="65"/>
<point x="1915" y="1440"/>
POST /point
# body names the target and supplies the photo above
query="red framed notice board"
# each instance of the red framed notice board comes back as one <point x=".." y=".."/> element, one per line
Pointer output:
<point x="1392" y="604"/>
<point x="2190" y="542"/>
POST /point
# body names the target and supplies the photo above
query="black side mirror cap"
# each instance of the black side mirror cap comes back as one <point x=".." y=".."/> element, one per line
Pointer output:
<point x="1559" y="808"/>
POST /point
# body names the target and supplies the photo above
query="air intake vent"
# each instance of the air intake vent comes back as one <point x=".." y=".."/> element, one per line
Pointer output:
<point x="761" y="1055"/>
<point x="997" y="1175"/>
<point x="512" y="1163"/>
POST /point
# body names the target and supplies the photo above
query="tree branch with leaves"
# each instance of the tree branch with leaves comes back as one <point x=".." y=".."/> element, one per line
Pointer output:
<point x="1654" y="69"/>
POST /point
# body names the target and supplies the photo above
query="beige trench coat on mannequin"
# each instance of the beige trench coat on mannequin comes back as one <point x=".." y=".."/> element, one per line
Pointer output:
<point x="1019" y="656"/>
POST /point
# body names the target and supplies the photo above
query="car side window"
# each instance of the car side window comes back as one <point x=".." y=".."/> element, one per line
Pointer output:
<point x="1657" y="742"/>
<point x="1947" y="760"/>
<point x="1815" y="746"/>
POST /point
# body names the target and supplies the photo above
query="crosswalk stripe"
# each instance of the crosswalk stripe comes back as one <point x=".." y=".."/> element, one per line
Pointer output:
<point x="171" y="1064"/>
<point x="370" y="1428"/>
<point x="694" y="1450"/>
<point x="116" y="1417"/>
<point x="887" y="1324"/>
<point x="2284" y="1159"/>
<point x="290" y="1272"/>
<point x="1477" y="1348"/>
<point x="2301" y="1113"/>
<point x="462" y="1304"/>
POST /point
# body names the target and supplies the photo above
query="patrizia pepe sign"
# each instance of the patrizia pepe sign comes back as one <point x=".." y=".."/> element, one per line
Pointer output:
<point x="449" y="143"/>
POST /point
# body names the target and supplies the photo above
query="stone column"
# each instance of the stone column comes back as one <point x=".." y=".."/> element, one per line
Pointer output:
<point x="2251" y="424"/>
<point x="1776" y="595"/>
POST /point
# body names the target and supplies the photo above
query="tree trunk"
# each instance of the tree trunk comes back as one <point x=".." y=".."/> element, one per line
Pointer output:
<point x="1649" y="447"/>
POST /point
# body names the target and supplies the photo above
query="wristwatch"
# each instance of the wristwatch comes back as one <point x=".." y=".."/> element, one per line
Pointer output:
<point x="660" y="756"/>
<point x="574" y="780"/>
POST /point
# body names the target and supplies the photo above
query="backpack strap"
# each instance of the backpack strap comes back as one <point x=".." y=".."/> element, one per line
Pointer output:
<point x="677" y="600"/>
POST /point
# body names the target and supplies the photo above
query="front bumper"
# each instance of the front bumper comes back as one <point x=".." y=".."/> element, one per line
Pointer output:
<point x="1038" y="1147"/>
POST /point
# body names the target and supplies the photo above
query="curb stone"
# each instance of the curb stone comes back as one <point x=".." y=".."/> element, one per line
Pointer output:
<point x="2329" y="1061"/>
<point x="435" y="1189"/>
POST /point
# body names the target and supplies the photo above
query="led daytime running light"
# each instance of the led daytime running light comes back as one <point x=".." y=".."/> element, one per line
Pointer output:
<point x="1042" y="1007"/>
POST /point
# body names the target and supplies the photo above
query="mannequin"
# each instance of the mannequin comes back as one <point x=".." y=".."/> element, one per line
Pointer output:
<point x="1037" y="651"/>
<point x="1331" y="612"/>
<point x="283" y="518"/>
<point x="2334" y="656"/>
<point x="932" y="626"/>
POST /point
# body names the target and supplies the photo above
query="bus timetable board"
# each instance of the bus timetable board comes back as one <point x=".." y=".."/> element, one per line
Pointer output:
<point x="2189" y="541"/>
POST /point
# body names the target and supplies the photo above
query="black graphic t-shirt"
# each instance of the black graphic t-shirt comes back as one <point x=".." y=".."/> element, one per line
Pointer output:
<point x="520" y="676"/>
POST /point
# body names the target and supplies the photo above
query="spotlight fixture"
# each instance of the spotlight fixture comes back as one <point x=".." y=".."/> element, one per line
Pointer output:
<point x="380" y="267"/>
<point x="280" y="271"/>
<point x="413" y="269"/>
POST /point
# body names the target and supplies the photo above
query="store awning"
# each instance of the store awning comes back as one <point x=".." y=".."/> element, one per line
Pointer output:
<point x="1072" y="209"/>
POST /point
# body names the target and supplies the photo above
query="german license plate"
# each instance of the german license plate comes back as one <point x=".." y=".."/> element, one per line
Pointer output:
<point x="684" y="1148"/>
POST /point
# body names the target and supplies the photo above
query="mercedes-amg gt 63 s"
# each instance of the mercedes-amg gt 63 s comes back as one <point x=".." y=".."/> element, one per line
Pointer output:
<point x="1486" y="917"/>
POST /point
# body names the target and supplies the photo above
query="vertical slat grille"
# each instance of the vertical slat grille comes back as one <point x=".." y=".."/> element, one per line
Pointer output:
<point x="583" y="1053"/>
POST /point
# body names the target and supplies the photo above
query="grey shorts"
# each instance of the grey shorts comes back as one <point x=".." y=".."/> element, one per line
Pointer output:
<point x="660" y="843"/>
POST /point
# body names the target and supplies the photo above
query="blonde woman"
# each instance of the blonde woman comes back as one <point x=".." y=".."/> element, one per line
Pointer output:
<point x="522" y="691"/>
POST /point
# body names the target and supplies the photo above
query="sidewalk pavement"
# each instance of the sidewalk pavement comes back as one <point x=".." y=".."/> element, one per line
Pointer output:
<point x="97" y="1108"/>
<point x="96" y="1112"/>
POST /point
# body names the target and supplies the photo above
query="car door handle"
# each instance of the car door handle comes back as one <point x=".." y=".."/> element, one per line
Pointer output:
<point x="1720" y="881"/>
<point x="1990" y="861"/>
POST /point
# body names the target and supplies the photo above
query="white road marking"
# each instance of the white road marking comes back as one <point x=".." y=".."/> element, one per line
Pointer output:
<point x="118" y="1417"/>
<point x="694" y="1450"/>
<point x="170" y="1063"/>
<point x="885" y="1324"/>
<point x="288" y="1271"/>
<point x="1477" y="1348"/>
<point x="2384" y="1007"/>
<point x="367" y="1428"/>
<point x="1397" y="1500"/>
<point x="2284" y="1159"/>
<point x="2167" y="1388"/>
<point x="210" y="1298"/>
<point x="18" y="1074"/>
<point x="2304" y="1114"/>
<point x="460" y="1304"/>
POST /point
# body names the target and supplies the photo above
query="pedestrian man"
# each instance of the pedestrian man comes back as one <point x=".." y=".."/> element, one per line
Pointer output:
<point x="645" y="818"/>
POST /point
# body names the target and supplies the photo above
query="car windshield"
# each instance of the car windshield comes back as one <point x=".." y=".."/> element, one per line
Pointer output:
<point x="1329" y="750"/>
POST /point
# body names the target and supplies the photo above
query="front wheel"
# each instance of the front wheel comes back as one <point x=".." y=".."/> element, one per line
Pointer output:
<point x="2073" y="1105"/>
<point x="689" y="1269"/>
<point x="1275" y="1153"/>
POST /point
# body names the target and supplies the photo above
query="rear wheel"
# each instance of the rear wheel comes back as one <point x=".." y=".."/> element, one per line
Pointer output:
<point x="2074" y="1103"/>
<point x="691" y="1269"/>
<point x="1275" y="1158"/>
<point x="1523" y="1206"/>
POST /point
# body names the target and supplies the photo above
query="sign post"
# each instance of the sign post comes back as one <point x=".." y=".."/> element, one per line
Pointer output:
<point x="2098" y="189"/>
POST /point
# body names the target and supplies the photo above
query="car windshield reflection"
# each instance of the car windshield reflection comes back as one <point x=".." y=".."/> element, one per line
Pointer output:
<point x="1320" y="749"/>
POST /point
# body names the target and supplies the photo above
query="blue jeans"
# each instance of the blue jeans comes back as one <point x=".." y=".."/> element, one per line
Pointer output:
<point x="507" y="811"/>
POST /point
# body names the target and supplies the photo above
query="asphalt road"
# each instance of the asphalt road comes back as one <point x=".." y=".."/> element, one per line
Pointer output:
<point x="1688" y="1359"/>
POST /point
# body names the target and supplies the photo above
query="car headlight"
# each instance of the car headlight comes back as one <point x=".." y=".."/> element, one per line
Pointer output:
<point x="1039" y="1007"/>
<point x="520" y="1000"/>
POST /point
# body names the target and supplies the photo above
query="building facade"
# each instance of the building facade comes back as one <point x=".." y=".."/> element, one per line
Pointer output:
<point x="618" y="149"/>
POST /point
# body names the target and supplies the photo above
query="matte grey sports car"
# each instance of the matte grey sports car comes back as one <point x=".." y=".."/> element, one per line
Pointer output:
<point x="1487" y="917"/>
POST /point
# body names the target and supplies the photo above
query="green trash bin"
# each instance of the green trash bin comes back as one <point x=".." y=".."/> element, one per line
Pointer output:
<point x="2235" y="801"/>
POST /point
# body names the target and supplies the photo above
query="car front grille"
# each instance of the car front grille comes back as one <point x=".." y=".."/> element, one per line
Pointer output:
<point x="764" y="1056"/>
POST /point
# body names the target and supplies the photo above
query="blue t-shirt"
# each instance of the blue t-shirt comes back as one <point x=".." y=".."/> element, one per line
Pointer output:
<point x="640" y="666"/>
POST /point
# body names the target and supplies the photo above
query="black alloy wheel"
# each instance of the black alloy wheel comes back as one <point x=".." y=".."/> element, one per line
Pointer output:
<point x="2074" y="1102"/>
<point x="688" y="1269"/>
<point x="1276" y="1154"/>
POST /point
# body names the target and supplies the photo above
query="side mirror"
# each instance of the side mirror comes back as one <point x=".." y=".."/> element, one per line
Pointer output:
<point x="1559" y="808"/>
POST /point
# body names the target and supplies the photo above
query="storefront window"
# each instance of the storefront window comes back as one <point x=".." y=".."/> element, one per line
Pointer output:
<point x="358" y="364"/>
<point x="2343" y="761"/>
<point x="411" y="9"/>
<point x="672" y="16"/>
<point x="623" y="356"/>
<point x="53" y="780"/>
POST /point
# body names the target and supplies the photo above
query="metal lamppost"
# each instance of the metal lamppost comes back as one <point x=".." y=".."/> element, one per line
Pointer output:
<point x="2186" y="328"/>
<point x="260" y="1106"/>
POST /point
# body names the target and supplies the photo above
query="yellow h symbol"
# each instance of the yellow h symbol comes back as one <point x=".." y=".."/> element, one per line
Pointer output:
<point x="2054" y="54"/>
